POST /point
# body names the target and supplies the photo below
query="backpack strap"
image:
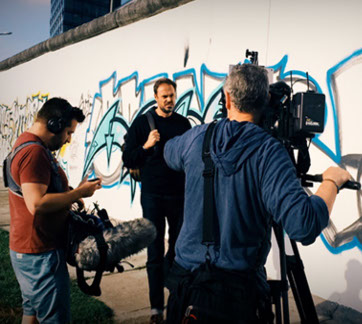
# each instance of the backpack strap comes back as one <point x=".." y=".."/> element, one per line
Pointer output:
<point x="151" y="123"/>
<point x="151" y="120"/>
<point x="209" y="219"/>
<point x="9" y="181"/>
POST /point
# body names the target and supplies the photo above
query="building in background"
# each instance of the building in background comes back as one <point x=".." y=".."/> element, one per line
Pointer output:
<point x="67" y="14"/>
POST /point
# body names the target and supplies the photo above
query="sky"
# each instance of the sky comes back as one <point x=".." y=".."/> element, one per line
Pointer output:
<point x="28" y="20"/>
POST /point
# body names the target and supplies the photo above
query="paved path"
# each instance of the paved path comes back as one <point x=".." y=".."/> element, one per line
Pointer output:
<point x="127" y="293"/>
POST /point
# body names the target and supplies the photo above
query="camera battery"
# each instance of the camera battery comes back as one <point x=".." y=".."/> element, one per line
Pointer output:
<point x="308" y="114"/>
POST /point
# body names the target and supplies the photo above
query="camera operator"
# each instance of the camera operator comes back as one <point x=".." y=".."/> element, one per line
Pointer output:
<point x="255" y="183"/>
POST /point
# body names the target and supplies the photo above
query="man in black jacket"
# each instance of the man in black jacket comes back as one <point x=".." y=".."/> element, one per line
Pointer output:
<point x="162" y="190"/>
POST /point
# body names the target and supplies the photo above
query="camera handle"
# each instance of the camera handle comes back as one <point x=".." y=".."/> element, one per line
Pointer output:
<point x="352" y="185"/>
<point x="252" y="56"/>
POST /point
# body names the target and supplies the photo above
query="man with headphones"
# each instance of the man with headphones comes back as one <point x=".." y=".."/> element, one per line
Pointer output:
<point x="39" y="213"/>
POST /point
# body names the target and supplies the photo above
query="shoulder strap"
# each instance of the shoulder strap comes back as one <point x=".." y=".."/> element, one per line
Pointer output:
<point x="209" y="219"/>
<point x="9" y="181"/>
<point x="151" y="120"/>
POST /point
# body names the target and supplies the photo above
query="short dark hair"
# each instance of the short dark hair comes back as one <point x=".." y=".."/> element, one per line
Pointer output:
<point x="161" y="81"/>
<point x="248" y="87"/>
<point x="60" y="108"/>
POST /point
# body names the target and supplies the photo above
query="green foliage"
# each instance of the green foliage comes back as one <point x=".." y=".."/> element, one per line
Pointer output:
<point x="84" y="308"/>
<point x="10" y="296"/>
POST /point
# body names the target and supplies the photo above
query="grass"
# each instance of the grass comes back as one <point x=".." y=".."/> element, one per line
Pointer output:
<point x="84" y="308"/>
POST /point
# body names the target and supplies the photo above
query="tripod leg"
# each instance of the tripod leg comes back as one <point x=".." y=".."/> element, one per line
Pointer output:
<point x="278" y="312"/>
<point x="292" y="267"/>
<point x="283" y="288"/>
<point x="299" y="284"/>
<point x="275" y="292"/>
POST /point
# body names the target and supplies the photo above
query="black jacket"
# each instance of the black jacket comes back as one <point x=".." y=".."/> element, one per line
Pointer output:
<point x="156" y="176"/>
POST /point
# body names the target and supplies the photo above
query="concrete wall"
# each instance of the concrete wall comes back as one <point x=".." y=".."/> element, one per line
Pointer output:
<point x="110" y="77"/>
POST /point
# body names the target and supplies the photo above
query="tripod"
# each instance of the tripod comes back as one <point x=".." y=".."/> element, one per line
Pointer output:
<point x="292" y="269"/>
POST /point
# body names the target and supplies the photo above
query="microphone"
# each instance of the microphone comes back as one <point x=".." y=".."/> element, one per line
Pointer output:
<point x="123" y="240"/>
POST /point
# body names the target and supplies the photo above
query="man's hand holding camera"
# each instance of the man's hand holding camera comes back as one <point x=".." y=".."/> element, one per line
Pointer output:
<point x="333" y="179"/>
<point x="337" y="175"/>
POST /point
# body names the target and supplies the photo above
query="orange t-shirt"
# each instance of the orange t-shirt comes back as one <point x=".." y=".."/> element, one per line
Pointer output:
<point x="29" y="233"/>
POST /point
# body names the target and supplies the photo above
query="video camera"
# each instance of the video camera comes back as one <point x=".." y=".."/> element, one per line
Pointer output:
<point x="292" y="119"/>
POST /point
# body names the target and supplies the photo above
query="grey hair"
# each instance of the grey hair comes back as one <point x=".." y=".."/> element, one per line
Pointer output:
<point x="248" y="87"/>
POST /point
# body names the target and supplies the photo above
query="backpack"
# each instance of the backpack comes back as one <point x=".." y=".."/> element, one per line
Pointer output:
<point x="93" y="242"/>
<point x="135" y="173"/>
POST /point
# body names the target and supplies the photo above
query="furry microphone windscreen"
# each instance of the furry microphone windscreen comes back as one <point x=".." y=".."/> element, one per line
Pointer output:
<point x="123" y="240"/>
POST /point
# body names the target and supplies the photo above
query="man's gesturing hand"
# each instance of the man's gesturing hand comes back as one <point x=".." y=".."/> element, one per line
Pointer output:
<point x="153" y="138"/>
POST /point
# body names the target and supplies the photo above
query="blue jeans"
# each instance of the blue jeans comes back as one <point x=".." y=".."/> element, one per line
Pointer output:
<point x="44" y="283"/>
<point x="157" y="208"/>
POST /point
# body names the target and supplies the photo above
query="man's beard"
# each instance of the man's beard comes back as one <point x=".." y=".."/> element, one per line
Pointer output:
<point x="55" y="145"/>
<point x="53" y="148"/>
<point x="167" y="110"/>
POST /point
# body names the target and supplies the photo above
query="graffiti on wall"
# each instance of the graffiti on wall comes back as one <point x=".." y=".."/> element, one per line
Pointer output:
<point x="15" y="119"/>
<point x="346" y="157"/>
<point x="110" y="112"/>
<point x="118" y="103"/>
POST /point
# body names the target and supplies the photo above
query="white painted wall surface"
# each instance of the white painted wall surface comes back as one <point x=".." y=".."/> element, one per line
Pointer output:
<point x="117" y="69"/>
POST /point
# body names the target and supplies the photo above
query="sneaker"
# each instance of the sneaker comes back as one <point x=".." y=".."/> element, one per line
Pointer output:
<point x="157" y="319"/>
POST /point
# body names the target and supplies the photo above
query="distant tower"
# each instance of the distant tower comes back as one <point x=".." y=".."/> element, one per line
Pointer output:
<point x="67" y="14"/>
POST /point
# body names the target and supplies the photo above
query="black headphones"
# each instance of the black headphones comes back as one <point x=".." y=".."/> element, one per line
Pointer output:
<point x="57" y="124"/>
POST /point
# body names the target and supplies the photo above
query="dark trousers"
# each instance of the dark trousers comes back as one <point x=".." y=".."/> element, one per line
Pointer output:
<point x="157" y="208"/>
<point x="213" y="295"/>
